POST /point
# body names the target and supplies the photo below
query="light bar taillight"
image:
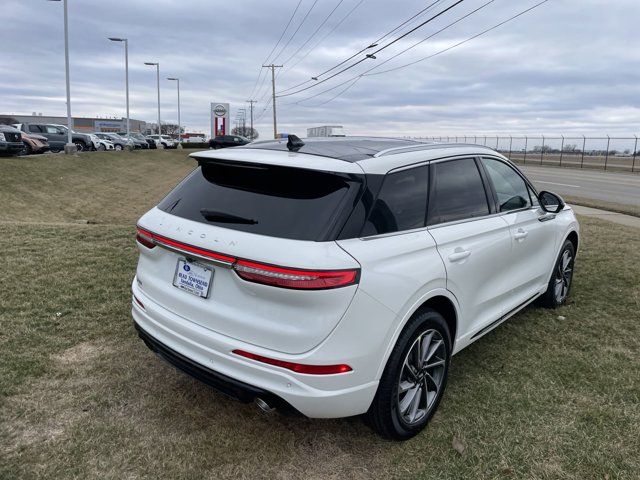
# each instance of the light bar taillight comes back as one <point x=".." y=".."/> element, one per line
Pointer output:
<point x="145" y="238"/>
<point x="294" y="278"/>
<point x="273" y="275"/>
<point x="154" y="239"/>
<point x="297" y="367"/>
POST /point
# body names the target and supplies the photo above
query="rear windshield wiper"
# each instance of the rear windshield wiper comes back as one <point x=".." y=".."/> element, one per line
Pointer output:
<point x="214" y="216"/>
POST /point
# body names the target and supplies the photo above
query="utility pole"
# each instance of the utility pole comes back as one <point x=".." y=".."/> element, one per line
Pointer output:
<point x="251" y="102"/>
<point x="273" y="91"/>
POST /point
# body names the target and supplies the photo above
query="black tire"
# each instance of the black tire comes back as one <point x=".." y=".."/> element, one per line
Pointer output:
<point x="117" y="147"/>
<point x="561" y="279"/>
<point x="102" y="148"/>
<point x="385" y="415"/>
<point x="80" y="146"/>
<point x="26" y="150"/>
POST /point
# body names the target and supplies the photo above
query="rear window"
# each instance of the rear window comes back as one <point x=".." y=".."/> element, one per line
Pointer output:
<point x="268" y="200"/>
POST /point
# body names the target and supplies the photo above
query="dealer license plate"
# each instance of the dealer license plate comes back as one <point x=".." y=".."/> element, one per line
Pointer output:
<point x="193" y="278"/>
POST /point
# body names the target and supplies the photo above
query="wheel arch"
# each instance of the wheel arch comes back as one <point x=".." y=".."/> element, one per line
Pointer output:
<point x="573" y="238"/>
<point x="440" y="300"/>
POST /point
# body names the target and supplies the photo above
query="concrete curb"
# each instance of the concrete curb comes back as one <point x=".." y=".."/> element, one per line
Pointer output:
<point x="615" y="217"/>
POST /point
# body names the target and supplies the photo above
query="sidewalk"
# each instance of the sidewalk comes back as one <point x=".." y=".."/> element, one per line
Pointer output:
<point x="620" y="218"/>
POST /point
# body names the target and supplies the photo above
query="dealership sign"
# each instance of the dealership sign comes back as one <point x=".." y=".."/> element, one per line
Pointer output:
<point x="219" y="119"/>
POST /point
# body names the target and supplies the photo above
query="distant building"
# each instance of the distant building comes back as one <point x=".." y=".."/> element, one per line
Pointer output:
<point x="87" y="124"/>
<point x="326" y="131"/>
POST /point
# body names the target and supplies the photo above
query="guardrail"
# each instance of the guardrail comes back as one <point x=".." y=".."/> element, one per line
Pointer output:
<point x="607" y="153"/>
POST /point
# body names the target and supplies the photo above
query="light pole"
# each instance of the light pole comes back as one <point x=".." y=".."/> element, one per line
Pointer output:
<point x="174" y="79"/>
<point x="157" y="65"/>
<point x="251" y="102"/>
<point x="126" y="70"/>
<point x="69" y="147"/>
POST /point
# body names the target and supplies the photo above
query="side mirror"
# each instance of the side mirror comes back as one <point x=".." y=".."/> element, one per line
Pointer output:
<point x="550" y="202"/>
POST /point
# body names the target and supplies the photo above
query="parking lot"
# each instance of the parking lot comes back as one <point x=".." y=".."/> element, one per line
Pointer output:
<point x="547" y="394"/>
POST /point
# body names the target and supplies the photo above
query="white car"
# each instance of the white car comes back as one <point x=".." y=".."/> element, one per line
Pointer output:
<point x="339" y="276"/>
<point x="165" y="140"/>
<point x="101" y="144"/>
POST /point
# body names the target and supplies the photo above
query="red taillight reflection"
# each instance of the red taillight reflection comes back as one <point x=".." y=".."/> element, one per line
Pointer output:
<point x="294" y="278"/>
<point x="297" y="367"/>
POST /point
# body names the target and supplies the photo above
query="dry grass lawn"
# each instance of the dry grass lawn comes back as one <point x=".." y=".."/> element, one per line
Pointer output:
<point x="549" y="394"/>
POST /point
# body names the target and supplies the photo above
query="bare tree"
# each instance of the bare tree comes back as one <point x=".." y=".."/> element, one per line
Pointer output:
<point x="171" y="129"/>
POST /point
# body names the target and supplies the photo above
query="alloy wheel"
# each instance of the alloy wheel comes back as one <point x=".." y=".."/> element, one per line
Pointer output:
<point x="563" y="275"/>
<point x="421" y="376"/>
<point x="80" y="146"/>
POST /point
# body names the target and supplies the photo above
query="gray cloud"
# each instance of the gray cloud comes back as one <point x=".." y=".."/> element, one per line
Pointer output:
<point x="569" y="66"/>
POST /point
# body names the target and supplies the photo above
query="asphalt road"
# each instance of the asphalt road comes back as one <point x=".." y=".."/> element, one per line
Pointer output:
<point x="623" y="188"/>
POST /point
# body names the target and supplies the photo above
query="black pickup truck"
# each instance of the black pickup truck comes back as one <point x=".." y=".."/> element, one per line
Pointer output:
<point x="57" y="136"/>
<point x="10" y="141"/>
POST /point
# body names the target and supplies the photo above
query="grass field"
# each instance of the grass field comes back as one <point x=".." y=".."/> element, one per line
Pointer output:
<point x="549" y="394"/>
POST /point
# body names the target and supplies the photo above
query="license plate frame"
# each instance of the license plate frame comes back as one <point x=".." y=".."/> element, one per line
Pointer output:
<point x="186" y="279"/>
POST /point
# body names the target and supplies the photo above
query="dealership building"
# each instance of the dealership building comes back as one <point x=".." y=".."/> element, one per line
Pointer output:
<point x="86" y="124"/>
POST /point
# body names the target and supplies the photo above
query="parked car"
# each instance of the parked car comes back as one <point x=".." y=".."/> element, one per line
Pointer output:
<point x="10" y="141"/>
<point x="119" y="143"/>
<point x="100" y="143"/>
<point x="224" y="141"/>
<point x="165" y="140"/>
<point x="153" y="143"/>
<point x="57" y="135"/>
<point x="339" y="276"/>
<point x="34" y="144"/>
<point x="137" y="143"/>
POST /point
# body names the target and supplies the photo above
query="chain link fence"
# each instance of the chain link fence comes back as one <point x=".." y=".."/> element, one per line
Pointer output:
<point x="606" y="153"/>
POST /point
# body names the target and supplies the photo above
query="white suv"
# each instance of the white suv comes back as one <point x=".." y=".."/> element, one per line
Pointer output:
<point x="165" y="140"/>
<point x="339" y="276"/>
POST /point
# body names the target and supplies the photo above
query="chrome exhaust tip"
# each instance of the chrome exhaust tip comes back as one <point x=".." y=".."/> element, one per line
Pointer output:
<point x="263" y="405"/>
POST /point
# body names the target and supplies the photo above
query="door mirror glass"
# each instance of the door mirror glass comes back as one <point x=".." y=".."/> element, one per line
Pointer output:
<point x="550" y="202"/>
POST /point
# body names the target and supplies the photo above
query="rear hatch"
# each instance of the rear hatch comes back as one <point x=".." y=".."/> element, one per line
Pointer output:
<point x="247" y="250"/>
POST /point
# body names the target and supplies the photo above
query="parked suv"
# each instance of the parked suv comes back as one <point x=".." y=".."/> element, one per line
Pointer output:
<point x="165" y="140"/>
<point x="57" y="135"/>
<point x="10" y="141"/>
<point x="224" y="141"/>
<point x="338" y="276"/>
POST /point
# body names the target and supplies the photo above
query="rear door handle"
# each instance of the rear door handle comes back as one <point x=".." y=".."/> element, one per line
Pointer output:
<point x="520" y="234"/>
<point x="459" y="254"/>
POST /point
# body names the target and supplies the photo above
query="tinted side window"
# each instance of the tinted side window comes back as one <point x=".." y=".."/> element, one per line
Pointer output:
<point x="509" y="186"/>
<point x="35" y="129"/>
<point x="401" y="203"/>
<point x="458" y="192"/>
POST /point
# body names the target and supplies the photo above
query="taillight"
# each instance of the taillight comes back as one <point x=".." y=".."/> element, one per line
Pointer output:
<point x="297" y="367"/>
<point x="294" y="278"/>
<point x="145" y="238"/>
<point x="273" y="275"/>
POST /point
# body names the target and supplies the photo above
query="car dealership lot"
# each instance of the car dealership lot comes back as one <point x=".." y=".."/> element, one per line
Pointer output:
<point x="549" y="393"/>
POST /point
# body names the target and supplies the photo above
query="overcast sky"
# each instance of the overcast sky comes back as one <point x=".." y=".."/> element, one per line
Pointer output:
<point x="568" y="66"/>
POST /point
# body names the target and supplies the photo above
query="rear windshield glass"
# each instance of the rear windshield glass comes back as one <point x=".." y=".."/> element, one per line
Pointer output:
<point x="265" y="199"/>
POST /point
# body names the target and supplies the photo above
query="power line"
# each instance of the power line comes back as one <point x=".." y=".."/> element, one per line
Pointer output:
<point x="370" y="45"/>
<point x="276" y="45"/>
<point x="348" y="14"/>
<point x="315" y="32"/>
<point x="367" y="73"/>
<point x="459" y="43"/>
<point x="372" y="55"/>
<point x="375" y="42"/>
<point x="304" y="19"/>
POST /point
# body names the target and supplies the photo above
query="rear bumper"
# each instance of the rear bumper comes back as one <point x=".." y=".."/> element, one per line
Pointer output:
<point x="206" y="355"/>
<point x="233" y="388"/>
